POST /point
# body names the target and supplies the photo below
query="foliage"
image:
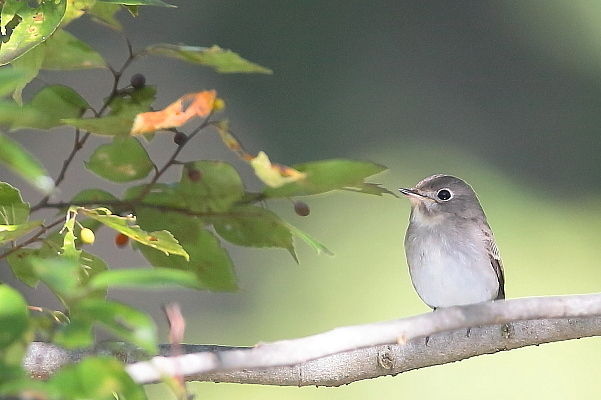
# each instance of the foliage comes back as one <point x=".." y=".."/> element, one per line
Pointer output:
<point x="179" y="227"/>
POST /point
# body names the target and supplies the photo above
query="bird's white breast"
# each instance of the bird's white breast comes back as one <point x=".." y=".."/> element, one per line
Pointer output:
<point x="449" y="268"/>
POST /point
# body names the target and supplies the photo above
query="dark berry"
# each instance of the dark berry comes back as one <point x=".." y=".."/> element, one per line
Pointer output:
<point x="301" y="208"/>
<point x="180" y="138"/>
<point x="137" y="81"/>
<point x="194" y="175"/>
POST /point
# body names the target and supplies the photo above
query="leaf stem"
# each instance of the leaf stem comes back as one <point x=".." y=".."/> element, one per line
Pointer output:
<point x="130" y="205"/>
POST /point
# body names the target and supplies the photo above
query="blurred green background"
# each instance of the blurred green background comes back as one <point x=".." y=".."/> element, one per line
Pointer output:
<point x="504" y="94"/>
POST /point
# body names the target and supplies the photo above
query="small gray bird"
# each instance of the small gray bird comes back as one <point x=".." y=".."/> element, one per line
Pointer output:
<point x="451" y="252"/>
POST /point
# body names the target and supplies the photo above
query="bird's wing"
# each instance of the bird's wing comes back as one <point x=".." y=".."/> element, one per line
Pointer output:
<point x="497" y="265"/>
<point x="495" y="259"/>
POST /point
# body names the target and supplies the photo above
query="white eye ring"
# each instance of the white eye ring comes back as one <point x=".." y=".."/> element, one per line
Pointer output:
<point x="444" y="194"/>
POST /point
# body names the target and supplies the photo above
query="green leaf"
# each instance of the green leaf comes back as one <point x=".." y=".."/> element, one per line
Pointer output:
<point x="75" y="9"/>
<point x="324" y="176"/>
<point x="313" y="243"/>
<point x="69" y="248"/>
<point x="15" y="386"/>
<point x="123" y="111"/>
<point x="140" y="3"/>
<point x="371" y="188"/>
<point x="144" y="278"/>
<point x="95" y="378"/>
<point x="20" y="161"/>
<point x="98" y="377"/>
<point x="122" y="320"/>
<point x="9" y="79"/>
<point x="105" y="13"/>
<point x="214" y="187"/>
<point x="123" y="160"/>
<point x="20" y="263"/>
<point x="35" y="26"/>
<point x="22" y="260"/>
<point x="15" y="335"/>
<point x="254" y="226"/>
<point x="13" y="210"/>
<point x="65" y="52"/>
<point x="13" y="316"/>
<point x="209" y="262"/>
<point x="77" y="333"/>
<point x="110" y="125"/>
<point x="8" y="16"/>
<point x="162" y="240"/>
<point x="92" y="195"/>
<point x="61" y="275"/>
<point x="221" y="60"/>
<point x="29" y="65"/>
<point x="92" y="266"/>
<point x="58" y="102"/>
<point x="9" y="233"/>
<point x="159" y="194"/>
<point x="134" y="11"/>
<point x="46" y="110"/>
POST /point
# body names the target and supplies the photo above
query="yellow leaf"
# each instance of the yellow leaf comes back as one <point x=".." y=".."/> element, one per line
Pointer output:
<point x="274" y="175"/>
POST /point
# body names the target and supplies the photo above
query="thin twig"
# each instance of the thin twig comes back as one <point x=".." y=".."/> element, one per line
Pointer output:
<point x="172" y="159"/>
<point x="80" y="140"/>
<point x="130" y="205"/>
<point x="77" y="145"/>
<point x="32" y="239"/>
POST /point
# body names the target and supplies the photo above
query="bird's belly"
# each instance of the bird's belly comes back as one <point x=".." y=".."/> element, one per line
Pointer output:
<point x="446" y="274"/>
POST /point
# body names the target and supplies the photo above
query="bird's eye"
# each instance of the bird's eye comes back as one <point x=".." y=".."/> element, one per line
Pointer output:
<point x="444" y="194"/>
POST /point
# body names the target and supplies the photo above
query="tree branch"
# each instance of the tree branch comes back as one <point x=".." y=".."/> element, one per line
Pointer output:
<point x="352" y="353"/>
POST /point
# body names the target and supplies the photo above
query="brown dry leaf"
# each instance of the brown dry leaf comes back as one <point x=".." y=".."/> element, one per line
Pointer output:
<point x="175" y="114"/>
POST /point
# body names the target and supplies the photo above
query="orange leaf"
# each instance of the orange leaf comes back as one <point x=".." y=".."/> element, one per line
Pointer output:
<point x="175" y="114"/>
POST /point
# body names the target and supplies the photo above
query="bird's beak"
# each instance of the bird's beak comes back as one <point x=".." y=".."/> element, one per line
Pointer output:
<point x="413" y="194"/>
<point x="410" y="192"/>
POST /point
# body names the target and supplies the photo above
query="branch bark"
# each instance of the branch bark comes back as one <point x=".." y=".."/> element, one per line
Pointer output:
<point x="352" y="353"/>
